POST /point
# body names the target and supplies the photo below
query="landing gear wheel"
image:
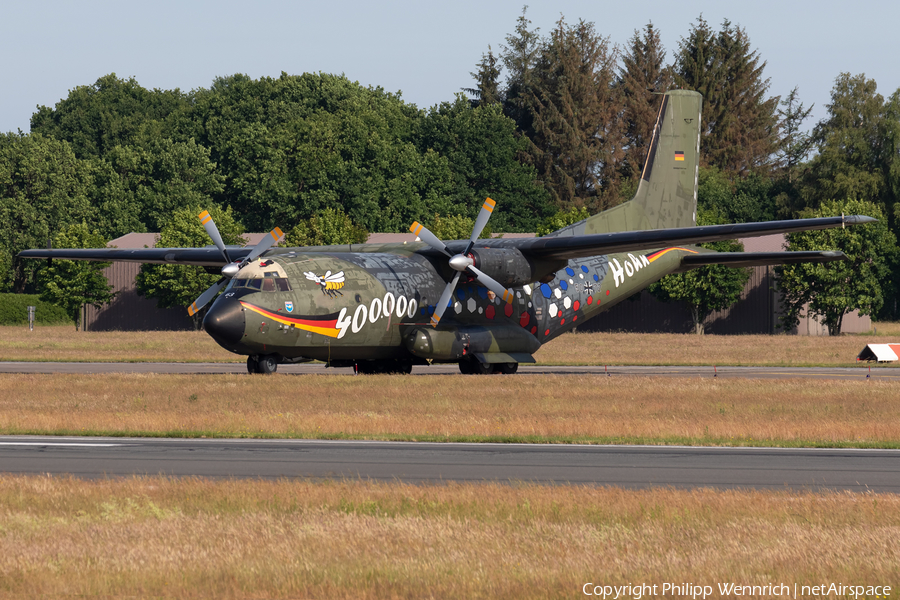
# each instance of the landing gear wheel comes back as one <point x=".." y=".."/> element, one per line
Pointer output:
<point x="482" y="368"/>
<point x="253" y="364"/>
<point x="473" y="366"/>
<point x="507" y="368"/>
<point x="389" y="367"/>
<point x="267" y="364"/>
<point x="404" y="367"/>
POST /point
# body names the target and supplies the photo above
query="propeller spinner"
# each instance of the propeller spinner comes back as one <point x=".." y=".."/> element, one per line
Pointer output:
<point x="231" y="268"/>
<point x="462" y="263"/>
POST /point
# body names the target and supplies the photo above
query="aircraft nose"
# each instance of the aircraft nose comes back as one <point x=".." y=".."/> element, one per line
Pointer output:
<point x="225" y="321"/>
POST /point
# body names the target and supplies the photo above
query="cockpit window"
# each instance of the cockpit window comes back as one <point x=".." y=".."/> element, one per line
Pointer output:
<point x="269" y="283"/>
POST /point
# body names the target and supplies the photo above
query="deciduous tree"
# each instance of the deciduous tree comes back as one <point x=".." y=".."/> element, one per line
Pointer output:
<point x="111" y="112"/>
<point x="856" y="147"/>
<point x="180" y="285"/>
<point x="330" y="227"/>
<point x="482" y="149"/>
<point x="834" y="289"/>
<point x="73" y="284"/>
<point x="707" y="289"/>
<point x="43" y="188"/>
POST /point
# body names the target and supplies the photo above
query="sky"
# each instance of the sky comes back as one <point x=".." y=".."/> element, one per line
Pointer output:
<point x="425" y="50"/>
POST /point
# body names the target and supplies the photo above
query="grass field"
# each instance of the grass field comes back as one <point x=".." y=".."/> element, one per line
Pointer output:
<point x="192" y="538"/>
<point x="545" y="408"/>
<point x="66" y="344"/>
<point x="262" y="539"/>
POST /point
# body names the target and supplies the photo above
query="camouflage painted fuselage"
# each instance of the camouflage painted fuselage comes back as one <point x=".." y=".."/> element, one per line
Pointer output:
<point x="382" y="306"/>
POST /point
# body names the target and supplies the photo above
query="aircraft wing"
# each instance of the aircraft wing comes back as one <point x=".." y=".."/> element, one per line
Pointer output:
<point x="551" y="248"/>
<point x="207" y="257"/>
<point x="755" y="259"/>
<point x="581" y="246"/>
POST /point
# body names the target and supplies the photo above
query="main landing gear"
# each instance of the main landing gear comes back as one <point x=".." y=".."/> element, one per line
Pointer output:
<point x="264" y="364"/>
<point x="372" y="367"/>
<point x="473" y="366"/>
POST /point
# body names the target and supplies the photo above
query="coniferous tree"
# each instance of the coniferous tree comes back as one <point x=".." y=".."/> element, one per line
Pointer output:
<point x="796" y="144"/>
<point x="790" y="159"/>
<point x="519" y="56"/>
<point x="643" y="72"/>
<point x="487" y="81"/>
<point x="575" y="107"/>
<point x="740" y="128"/>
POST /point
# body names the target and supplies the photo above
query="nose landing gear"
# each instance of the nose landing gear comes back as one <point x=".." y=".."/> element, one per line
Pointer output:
<point x="263" y="364"/>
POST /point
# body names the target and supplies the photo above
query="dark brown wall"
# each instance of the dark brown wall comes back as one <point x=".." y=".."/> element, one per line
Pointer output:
<point x="753" y="313"/>
<point x="129" y="311"/>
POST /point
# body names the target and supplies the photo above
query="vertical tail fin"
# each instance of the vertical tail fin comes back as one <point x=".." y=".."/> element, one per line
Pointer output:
<point x="667" y="190"/>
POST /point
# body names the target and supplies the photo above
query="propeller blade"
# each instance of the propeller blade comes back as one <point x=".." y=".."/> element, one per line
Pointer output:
<point x="441" y="305"/>
<point x="267" y="242"/>
<point x="493" y="285"/>
<point x="486" y="209"/>
<point x="206" y="296"/>
<point x="429" y="238"/>
<point x="210" y="226"/>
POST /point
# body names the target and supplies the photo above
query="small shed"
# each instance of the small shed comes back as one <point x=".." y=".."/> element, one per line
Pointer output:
<point x="880" y="353"/>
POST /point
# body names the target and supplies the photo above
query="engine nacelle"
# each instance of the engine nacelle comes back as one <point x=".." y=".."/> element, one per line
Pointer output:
<point x="506" y="265"/>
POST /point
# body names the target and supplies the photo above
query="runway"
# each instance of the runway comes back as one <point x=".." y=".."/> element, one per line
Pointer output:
<point x="857" y="372"/>
<point x="623" y="466"/>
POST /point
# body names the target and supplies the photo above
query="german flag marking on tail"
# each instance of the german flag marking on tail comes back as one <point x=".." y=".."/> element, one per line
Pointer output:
<point x="679" y="156"/>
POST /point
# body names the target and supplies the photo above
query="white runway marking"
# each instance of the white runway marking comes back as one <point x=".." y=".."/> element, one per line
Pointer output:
<point x="76" y="444"/>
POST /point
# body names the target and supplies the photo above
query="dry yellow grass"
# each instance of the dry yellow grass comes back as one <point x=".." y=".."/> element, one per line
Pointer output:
<point x="66" y="344"/>
<point x="689" y="349"/>
<point x="278" y="539"/>
<point x="551" y="408"/>
<point x="63" y="343"/>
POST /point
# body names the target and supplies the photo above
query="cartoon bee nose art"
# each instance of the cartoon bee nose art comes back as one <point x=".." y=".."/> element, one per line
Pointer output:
<point x="331" y="283"/>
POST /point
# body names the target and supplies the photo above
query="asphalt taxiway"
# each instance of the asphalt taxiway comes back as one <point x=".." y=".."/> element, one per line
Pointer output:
<point x="857" y="372"/>
<point x="622" y="466"/>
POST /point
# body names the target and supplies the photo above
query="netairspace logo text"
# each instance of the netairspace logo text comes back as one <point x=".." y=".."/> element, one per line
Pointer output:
<point x="692" y="590"/>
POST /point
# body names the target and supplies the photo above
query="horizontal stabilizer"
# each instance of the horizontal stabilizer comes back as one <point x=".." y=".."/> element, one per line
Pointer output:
<point x="581" y="246"/>
<point x="756" y="259"/>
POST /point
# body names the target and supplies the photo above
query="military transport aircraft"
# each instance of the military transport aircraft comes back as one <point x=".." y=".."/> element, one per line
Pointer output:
<point x="485" y="304"/>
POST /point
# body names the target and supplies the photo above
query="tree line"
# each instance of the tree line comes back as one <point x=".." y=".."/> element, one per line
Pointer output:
<point x="554" y="127"/>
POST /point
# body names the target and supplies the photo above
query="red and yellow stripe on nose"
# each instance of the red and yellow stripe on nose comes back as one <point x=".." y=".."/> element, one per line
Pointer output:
<point x="204" y="217"/>
<point x="488" y="205"/>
